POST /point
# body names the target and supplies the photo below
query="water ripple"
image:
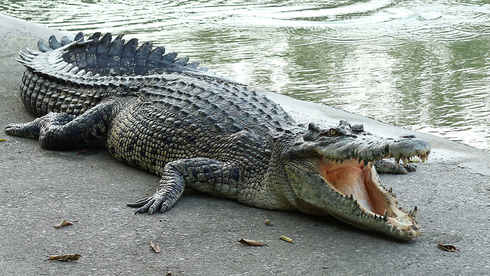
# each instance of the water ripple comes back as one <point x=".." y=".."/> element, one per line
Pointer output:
<point x="421" y="64"/>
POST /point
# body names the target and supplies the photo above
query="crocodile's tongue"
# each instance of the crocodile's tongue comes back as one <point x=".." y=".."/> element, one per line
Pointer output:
<point x="352" y="178"/>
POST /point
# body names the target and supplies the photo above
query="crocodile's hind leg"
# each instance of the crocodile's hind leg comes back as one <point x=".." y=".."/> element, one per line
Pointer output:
<point x="59" y="131"/>
<point x="202" y="174"/>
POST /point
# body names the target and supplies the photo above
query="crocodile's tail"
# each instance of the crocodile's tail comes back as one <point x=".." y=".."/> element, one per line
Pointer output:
<point x="71" y="76"/>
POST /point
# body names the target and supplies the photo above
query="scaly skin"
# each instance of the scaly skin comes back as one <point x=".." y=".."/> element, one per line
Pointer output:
<point x="200" y="131"/>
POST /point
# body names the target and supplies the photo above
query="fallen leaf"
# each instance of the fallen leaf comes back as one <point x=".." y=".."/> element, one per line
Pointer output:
<point x="155" y="247"/>
<point x="64" y="258"/>
<point x="63" y="223"/>
<point x="448" y="247"/>
<point x="251" y="242"/>
<point x="267" y="222"/>
<point x="2" y="140"/>
<point x="284" y="238"/>
<point x="81" y="152"/>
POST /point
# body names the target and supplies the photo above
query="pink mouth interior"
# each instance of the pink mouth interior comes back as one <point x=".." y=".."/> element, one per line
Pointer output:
<point x="349" y="178"/>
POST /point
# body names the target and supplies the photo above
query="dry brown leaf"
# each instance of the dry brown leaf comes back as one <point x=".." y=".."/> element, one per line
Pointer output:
<point x="64" y="258"/>
<point x="284" y="238"/>
<point x="155" y="247"/>
<point x="81" y="152"/>
<point x="63" y="223"/>
<point x="251" y="242"/>
<point x="448" y="247"/>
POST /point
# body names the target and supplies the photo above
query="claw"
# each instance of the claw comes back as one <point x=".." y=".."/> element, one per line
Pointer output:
<point x="144" y="205"/>
<point x="139" y="203"/>
<point x="138" y="211"/>
<point x="151" y="211"/>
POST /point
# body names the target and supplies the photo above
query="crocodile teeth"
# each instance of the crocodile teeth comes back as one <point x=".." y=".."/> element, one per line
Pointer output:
<point x="364" y="166"/>
<point x="397" y="161"/>
<point x="385" y="215"/>
<point x="414" y="212"/>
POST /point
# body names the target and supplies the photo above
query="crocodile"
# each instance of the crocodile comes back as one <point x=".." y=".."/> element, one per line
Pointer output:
<point x="199" y="130"/>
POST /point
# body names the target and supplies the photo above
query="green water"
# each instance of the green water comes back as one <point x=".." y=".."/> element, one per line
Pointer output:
<point x="422" y="65"/>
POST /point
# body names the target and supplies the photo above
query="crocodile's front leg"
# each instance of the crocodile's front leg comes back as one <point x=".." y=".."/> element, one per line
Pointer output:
<point x="60" y="131"/>
<point x="387" y="166"/>
<point x="201" y="174"/>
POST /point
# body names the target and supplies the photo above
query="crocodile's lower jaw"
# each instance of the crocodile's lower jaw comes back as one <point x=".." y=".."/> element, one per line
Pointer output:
<point x="373" y="206"/>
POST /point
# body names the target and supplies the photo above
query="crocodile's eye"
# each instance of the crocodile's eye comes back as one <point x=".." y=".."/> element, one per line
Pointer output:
<point x="332" y="132"/>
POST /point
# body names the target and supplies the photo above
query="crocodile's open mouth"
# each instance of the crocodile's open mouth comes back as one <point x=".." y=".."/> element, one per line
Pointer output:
<point x="359" y="185"/>
<point x="332" y="172"/>
<point x="352" y="178"/>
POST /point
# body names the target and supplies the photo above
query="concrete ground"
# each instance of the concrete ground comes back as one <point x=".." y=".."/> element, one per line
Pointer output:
<point x="40" y="188"/>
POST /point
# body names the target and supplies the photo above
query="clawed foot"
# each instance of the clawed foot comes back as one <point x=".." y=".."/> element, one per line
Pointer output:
<point x="40" y="126"/>
<point x="386" y="166"/>
<point x="150" y="205"/>
<point x="169" y="191"/>
<point x="156" y="203"/>
<point x="410" y="167"/>
<point x="27" y="130"/>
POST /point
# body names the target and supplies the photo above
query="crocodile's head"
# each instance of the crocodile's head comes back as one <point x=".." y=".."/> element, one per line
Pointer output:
<point x="330" y="172"/>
